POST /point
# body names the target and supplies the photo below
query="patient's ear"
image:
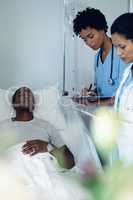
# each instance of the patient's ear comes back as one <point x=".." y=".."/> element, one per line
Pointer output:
<point x="13" y="119"/>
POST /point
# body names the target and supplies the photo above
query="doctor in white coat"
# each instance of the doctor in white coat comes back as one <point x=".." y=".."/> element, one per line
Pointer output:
<point x="122" y="37"/>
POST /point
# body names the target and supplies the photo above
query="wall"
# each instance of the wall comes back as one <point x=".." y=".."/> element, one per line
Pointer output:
<point x="31" y="42"/>
<point x="131" y="5"/>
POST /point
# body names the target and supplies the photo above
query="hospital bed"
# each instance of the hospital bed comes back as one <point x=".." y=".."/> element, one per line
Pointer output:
<point x="62" y="113"/>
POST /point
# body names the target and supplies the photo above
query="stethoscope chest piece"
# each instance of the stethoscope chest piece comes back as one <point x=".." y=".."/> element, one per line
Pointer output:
<point x="110" y="81"/>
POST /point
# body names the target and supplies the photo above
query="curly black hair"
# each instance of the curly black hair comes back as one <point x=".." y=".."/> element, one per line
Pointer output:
<point x="90" y="17"/>
<point x="123" y="25"/>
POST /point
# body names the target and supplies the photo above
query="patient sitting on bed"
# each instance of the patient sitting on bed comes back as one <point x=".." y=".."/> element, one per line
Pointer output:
<point x="37" y="135"/>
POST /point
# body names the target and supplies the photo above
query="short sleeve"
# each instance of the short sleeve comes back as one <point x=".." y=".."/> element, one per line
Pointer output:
<point x="55" y="137"/>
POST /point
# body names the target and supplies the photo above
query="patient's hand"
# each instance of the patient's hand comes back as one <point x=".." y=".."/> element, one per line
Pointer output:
<point x="64" y="157"/>
<point x="33" y="147"/>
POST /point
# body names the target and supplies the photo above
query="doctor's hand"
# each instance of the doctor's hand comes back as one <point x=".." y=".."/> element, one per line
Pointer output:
<point x="88" y="92"/>
<point x="33" y="147"/>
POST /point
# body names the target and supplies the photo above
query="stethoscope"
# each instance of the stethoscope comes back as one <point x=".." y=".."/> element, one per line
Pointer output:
<point x="110" y="80"/>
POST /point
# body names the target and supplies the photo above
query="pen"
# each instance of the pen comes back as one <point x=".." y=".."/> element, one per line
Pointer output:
<point x="90" y="87"/>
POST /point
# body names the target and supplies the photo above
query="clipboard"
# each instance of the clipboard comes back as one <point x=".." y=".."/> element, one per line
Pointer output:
<point x="92" y="98"/>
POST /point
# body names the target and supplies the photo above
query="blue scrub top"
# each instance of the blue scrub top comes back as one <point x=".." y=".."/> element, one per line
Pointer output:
<point x="102" y="74"/>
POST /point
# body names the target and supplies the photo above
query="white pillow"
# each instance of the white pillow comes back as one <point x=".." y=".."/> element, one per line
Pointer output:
<point x="5" y="105"/>
<point x="46" y="103"/>
<point x="48" y="106"/>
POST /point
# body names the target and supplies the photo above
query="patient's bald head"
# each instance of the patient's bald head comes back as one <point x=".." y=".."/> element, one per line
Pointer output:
<point x="23" y="99"/>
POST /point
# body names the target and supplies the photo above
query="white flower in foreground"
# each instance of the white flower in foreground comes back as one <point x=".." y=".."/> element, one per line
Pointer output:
<point x="11" y="188"/>
<point x="105" y="129"/>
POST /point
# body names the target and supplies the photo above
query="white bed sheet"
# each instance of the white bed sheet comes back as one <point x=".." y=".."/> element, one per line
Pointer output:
<point x="42" y="176"/>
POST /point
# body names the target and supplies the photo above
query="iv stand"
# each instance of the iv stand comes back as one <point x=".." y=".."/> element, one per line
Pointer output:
<point x="64" y="92"/>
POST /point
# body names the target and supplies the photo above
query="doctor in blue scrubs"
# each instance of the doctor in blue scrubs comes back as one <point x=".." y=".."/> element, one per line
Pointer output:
<point x="91" y="26"/>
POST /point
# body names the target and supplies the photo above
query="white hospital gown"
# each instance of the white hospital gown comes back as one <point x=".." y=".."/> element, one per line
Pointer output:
<point x="16" y="132"/>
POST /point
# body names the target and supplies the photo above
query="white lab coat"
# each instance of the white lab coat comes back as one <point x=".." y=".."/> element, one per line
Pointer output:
<point x="125" y="108"/>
